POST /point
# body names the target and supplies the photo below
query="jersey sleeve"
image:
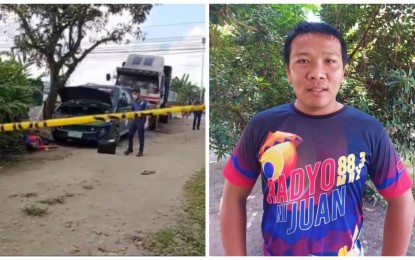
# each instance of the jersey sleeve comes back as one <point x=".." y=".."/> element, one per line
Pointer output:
<point x="242" y="169"/>
<point x="387" y="170"/>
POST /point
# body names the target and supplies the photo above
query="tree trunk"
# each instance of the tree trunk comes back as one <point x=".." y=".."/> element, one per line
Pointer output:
<point x="49" y="105"/>
<point x="50" y="102"/>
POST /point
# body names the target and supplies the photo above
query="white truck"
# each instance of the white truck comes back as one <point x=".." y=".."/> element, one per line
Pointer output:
<point x="148" y="73"/>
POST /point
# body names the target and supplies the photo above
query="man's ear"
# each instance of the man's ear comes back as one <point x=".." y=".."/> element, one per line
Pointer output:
<point x="287" y="71"/>
<point x="344" y="73"/>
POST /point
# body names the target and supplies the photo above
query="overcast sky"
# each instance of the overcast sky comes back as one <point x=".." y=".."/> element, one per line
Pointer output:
<point x="169" y="27"/>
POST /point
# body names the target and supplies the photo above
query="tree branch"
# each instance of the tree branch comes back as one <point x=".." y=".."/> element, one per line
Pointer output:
<point x="87" y="51"/>
<point x="81" y="24"/>
<point x="244" y="25"/>
<point x="217" y="54"/>
<point x="363" y="38"/>
<point x="222" y="12"/>
<point x="239" y="114"/>
<point x="28" y="30"/>
<point x="401" y="64"/>
<point x="73" y="47"/>
<point x="71" y="67"/>
<point x="70" y="38"/>
<point x="68" y="73"/>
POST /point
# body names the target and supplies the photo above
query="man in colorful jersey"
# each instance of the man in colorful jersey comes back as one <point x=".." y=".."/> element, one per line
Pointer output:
<point x="313" y="157"/>
<point x="137" y="124"/>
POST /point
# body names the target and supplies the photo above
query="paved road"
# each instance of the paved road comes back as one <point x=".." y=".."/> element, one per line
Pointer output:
<point x="254" y="214"/>
<point x="98" y="204"/>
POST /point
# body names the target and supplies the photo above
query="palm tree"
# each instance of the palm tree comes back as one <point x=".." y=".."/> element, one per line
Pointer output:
<point x="184" y="88"/>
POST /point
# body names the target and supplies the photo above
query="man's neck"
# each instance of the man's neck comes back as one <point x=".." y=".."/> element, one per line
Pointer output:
<point x="318" y="111"/>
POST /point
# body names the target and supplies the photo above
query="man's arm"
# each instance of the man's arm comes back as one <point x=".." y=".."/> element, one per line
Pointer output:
<point x="233" y="219"/>
<point x="399" y="222"/>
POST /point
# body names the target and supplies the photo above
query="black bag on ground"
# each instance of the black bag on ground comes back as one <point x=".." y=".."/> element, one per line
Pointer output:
<point x="106" y="146"/>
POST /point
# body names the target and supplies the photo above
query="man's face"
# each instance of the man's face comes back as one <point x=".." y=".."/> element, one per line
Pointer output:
<point x="316" y="72"/>
<point x="136" y="95"/>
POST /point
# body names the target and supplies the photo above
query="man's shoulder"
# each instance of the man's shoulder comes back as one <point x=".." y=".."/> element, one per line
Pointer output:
<point x="270" y="118"/>
<point x="362" y="118"/>
<point x="273" y="113"/>
<point x="142" y="102"/>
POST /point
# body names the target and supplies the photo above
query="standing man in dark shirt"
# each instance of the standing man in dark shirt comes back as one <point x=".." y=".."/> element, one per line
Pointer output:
<point x="137" y="124"/>
<point x="197" y="115"/>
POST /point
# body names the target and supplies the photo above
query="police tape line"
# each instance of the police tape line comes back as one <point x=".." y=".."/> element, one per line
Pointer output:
<point x="94" y="118"/>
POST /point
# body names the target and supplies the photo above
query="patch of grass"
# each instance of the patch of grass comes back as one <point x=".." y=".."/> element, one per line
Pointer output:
<point x="35" y="211"/>
<point x="187" y="237"/>
<point x="88" y="186"/>
<point x="29" y="194"/>
<point x="195" y="198"/>
<point x="53" y="201"/>
<point x="164" y="242"/>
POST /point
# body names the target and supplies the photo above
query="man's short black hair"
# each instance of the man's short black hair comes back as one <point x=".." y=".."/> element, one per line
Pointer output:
<point x="310" y="27"/>
<point x="136" y="90"/>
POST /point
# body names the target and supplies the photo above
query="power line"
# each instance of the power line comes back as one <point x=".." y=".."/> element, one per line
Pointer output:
<point x="121" y="50"/>
<point x="174" y="40"/>
<point x="92" y="58"/>
<point x="146" y="46"/>
<point x="161" y="53"/>
<point x="176" y="48"/>
<point x="190" y="55"/>
<point x="163" y="39"/>
<point x="172" y="24"/>
<point x="116" y="54"/>
<point x="147" y="41"/>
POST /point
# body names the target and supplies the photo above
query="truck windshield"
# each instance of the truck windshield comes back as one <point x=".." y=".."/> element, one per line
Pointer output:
<point x="146" y="83"/>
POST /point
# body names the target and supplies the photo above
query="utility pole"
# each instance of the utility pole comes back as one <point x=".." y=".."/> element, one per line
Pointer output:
<point x="203" y="63"/>
<point x="13" y="48"/>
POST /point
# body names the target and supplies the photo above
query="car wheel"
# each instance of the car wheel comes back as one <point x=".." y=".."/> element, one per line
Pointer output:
<point x="115" y="134"/>
<point x="58" y="139"/>
<point x="164" y="119"/>
<point x="152" y="122"/>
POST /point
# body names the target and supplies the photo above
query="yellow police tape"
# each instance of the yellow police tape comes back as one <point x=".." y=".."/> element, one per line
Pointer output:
<point x="93" y="118"/>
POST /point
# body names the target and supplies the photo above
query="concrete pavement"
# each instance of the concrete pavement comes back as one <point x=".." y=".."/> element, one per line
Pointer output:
<point x="254" y="212"/>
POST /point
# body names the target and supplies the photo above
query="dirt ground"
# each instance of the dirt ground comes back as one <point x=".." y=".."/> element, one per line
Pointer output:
<point x="372" y="227"/>
<point x="105" y="205"/>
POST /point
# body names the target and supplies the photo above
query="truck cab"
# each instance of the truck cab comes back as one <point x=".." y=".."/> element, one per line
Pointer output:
<point x="148" y="73"/>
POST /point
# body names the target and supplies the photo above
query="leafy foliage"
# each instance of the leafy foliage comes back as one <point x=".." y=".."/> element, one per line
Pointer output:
<point x="247" y="72"/>
<point x="16" y="97"/>
<point x="380" y="75"/>
<point x="184" y="88"/>
<point x="56" y="34"/>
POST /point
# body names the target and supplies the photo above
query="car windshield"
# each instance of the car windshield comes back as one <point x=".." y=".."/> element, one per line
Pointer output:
<point x="149" y="85"/>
